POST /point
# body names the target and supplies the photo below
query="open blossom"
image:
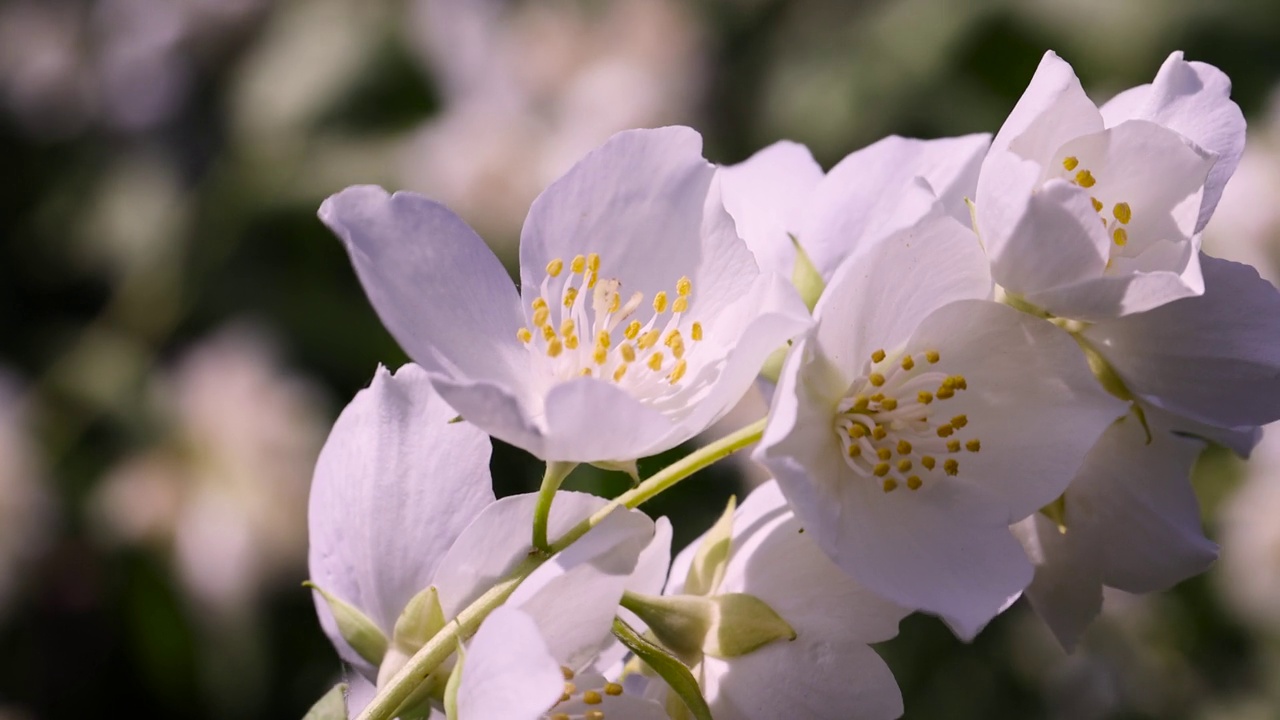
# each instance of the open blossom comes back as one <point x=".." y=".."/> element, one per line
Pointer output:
<point x="1094" y="213"/>
<point x="920" y="420"/>
<point x="780" y="193"/>
<point x="401" y="502"/>
<point x="828" y="670"/>
<point x="641" y="316"/>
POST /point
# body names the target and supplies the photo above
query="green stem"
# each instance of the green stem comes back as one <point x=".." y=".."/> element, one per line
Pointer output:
<point x="444" y="643"/>
<point x="551" y="480"/>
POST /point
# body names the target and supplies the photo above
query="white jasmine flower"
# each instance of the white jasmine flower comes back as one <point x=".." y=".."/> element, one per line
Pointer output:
<point x="920" y="420"/>
<point x="641" y="316"/>
<point x="1092" y="213"/>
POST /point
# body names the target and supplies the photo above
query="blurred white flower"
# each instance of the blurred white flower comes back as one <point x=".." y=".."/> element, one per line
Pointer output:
<point x="528" y="88"/>
<point x="225" y="490"/>
<point x="1246" y="226"/>
<point x="1250" y="538"/>
<point x="25" y="501"/>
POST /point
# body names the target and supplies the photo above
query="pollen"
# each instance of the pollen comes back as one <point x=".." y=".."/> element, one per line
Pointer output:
<point x="678" y="371"/>
<point x="879" y="433"/>
<point x="904" y="466"/>
<point x="660" y="302"/>
<point x="953" y="446"/>
<point x="1122" y="212"/>
<point x="632" y="330"/>
<point x="578" y="264"/>
<point x="571" y="342"/>
<point x="928" y="462"/>
<point x="620" y="372"/>
<point x="1085" y="179"/>
<point x="884" y="453"/>
<point x="591" y="697"/>
<point x="855" y="451"/>
<point x="655" y="361"/>
<point x="913" y="482"/>
<point x="951" y="466"/>
<point x="684" y="286"/>
<point x="570" y="295"/>
<point x="924" y="397"/>
<point x="1070" y="163"/>
<point x="890" y="485"/>
<point x="649" y="339"/>
<point x="959" y="421"/>
<point x="1097" y="204"/>
<point x="540" y="316"/>
<point x="613" y="689"/>
<point x="876" y="379"/>
<point x="681" y="304"/>
<point x="627" y="352"/>
<point x="554" y="348"/>
<point x="973" y="445"/>
<point x="603" y="340"/>
<point x="881" y="469"/>
<point x="524" y="335"/>
<point x="593" y="262"/>
<point x="1120" y="236"/>
<point x="548" y="332"/>
<point x="862" y="402"/>
<point x="945" y="431"/>
<point x="567" y="327"/>
<point x="600" y="355"/>
<point x="904" y="447"/>
<point x="857" y="431"/>
<point x="555" y="267"/>
<point x="908" y="362"/>
<point x="877" y="356"/>
<point x="889" y="404"/>
<point x="695" y="331"/>
<point x="932" y="356"/>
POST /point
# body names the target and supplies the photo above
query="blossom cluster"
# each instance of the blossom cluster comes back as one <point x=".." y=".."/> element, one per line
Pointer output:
<point x="992" y="361"/>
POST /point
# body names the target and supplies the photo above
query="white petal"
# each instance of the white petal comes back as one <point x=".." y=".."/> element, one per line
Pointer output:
<point x="1104" y="298"/>
<point x="439" y="290"/>
<point x="508" y="672"/>
<point x="765" y="195"/>
<point x="589" y="420"/>
<point x="638" y="201"/>
<point x="1193" y="99"/>
<point x="1067" y="590"/>
<point x="860" y="200"/>
<point x="1031" y="400"/>
<point x="876" y="299"/>
<point x="360" y="692"/>
<point x="648" y="579"/>
<point x="1052" y="110"/>
<point x="1213" y="358"/>
<point x="395" y="485"/>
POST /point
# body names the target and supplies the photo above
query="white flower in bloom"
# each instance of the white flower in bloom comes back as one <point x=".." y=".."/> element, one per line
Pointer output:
<point x="641" y="316"/>
<point x="920" y="420"/>
<point x="1092" y="214"/>
<point x="780" y="193"/>
<point x="1129" y="521"/>
<point x="828" y="670"/>
<point x="401" y="501"/>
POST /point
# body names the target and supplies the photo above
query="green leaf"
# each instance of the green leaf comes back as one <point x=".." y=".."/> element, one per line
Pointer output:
<point x="671" y="670"/>
<point x="333" y="706"/>
<point x="355" y="627"/>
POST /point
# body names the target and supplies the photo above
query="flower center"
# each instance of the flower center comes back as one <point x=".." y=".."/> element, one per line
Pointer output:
<point x="1121" y="212"/>
<point x="891" y="425"/>
<point x="575" y="703"/>
<point x="582" y="327"/>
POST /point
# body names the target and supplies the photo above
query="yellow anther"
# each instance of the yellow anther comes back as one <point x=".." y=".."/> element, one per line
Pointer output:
<point x="855" y="451"/>
<point x="612" y="689"/>
<point x="960" y="421"/>
<point x="633" y="329"/>
<point x="960" y="382"/>
<point x="904" y="447"/>
<point x="1120" y="236"/>
<point x="877" y="397"/>
<point x="884" y="453"/>
<point x="570" y="295"/>
<point x="672" y="336"/>
<point x="1123" y="212"/>
<point x="524" y="335"/>
<point x="904" y="465"/>
<point x="1070" y="163"/>
<point x="578" y="264"/>
<point x="586" y="372"/>
<point x="660" y="301"/>
<point x="678" y="371"/>
<point x="889" y="404"/>
<point x="628" y="352"/>
<point x="695" y="331"/>
<point x="951" y="466"/>
<point x="548" y="332"/>
<point x="649" y="339"/>
<point x="857" y="431"/>
<point x="554" y="348"/>
<point x="620" y="372"/>
<point x="571" y="342"/>
<point x="593" y="715"/>
<point x="878" y="432"/>
<point x="881" y="469"/>
<point x="945" y="431"/>
<point x="876" y="379"/>
<point x="913" y="482"/>
<point x="953" y="446"/>
<point x="877" y="356"/>
<point x="603" y="340"/>
<point x="680" y="305"/>
<point x="684" y="286"/>
<point x="591" y="697"/>
<point x="932" y="356"/>
<point x="890" y="485"/>
<point x="677" y="348"/>
<point x="1084" y="179"/>
<point x="928" y="462"/>
<point x="566" y="327"/>
<point x="1097" y="204"/>
<point x="655" y="361"/>
<point x="945" y="393"/>
<point x="593" y="262"/>
<point x="540" y="316"/>
<point x="861" y="402"/>
<point x="908" y="362"/>
<point x="924" y="397"/>
<point x="973" y="445"/>
<point x="600" y="355"/>
<point x="567" y="672"/>
<point x="554" y="267"/>
<point x="539" y="303"/>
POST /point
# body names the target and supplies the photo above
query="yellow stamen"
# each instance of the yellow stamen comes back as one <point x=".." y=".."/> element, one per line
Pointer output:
<point x="612" y="689"/>
<point x="554" y="348"/>
<point x="678" y="371"/>
<point x="1085" y="179"/>
<point x="660" y="301"/>
<point x="524" y="335"/>
<point x="857" y="431"/>
<point x="578" y="264"/>
<point x="591" y="697"/>
<point x="904" y="447"/>
<point x="945" y="431"/>
<point x="879" y="432"/>
<point x="951" y="467"/>
<point x="684" y="286"/>
<point x="655" y="361"/>
<point x="593" y="262"/>
<point x="539" y="303"/>
<point x="904" y="465"/>
<point x="855" y="451"/>
<point x="881" y="469"/>
<point x="586" y="372"/>
<point x="932" y="356"/>
<point x="554" y="267"/>
<point x="876" y="379"/>
<point x="1120" y="236"/>
<point x="633" y="329"/>
<point x="889" y="404"/>
<point x="953" y="446"/>
<point x="913" y="482"/>
<point x="649" y="339"/>
<point x="570" y="295"/>
<point x="973" y="445"/>
<point x="884" y="453"/>
<point x="622" y="370"/>
<point x="571" y="342"/>
<point x="1097" y="204"/>
<point x="548" y="332"/>
<point x="628" y="352"/>
<point x="1123" y="213"/>
<point x="861" y="402"/>
<point x="600" y="355"/>
<point x="695" y="331"/>
<point x="540" y="316"/>
<point x="945" y="393"/>
<point x="925" y="397"/>
<point x="680" y="305"/>
<point x="959" y="421"/>
<point x="1070" y="163"/>
<point x="928" y="462"/>
<point x="603" y="340"/>
<point x="908" y="362"/>
<point x="877" y="356"/>
<point x="890" y="485"/>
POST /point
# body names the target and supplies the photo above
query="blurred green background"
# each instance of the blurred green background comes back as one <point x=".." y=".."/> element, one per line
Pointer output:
<point x="177" y="330"/>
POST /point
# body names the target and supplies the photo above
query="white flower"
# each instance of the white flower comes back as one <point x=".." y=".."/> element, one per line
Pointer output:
<point x="1129" y="521"/>
<point x="781" y="192"/>
<point x="641" y="317"/>
<point x="1092" y="214"/>
<point x="828" y="670"/>
<point x="920" y="420"/>
<point x="401" y="502"/>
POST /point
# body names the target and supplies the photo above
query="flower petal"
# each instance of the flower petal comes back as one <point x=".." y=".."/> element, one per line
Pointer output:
<point x="590" y="420"/>
<point x="508" y="672"/>
<point x="765" y="194"/>
<point x="439" y="290"/>
<point x="861" y="200"/>
<point x="392" y="460"/>
<point x="1213" y="358"/>
<point x="1052" y="110"/>
<point x="1067" y="590"/>
<point x="1193" y="99"/>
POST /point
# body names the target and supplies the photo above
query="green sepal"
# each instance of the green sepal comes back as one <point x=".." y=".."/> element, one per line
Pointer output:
<point x="451" y="687"/>
<point x="681" y="623"/>
<point x="355" y="627"/>
<point x="672" y="671"/>
<point x="627" y="466"/>
<point x="332" y="706"/>
<point x="422" y="618"/>
<point x="745" y="623"/>
<point x="708" y="566"/>
<point x="805" y="277"/>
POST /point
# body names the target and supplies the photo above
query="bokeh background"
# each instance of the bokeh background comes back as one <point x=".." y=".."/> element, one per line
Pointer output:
<point x="177" y="330"/>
